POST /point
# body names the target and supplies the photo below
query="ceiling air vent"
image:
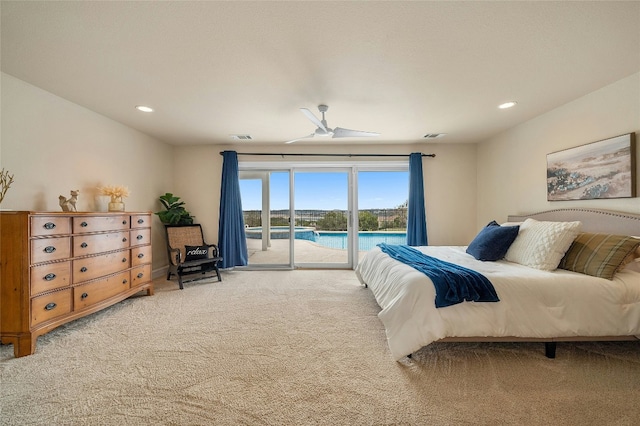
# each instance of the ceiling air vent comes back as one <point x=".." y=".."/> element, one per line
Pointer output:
<point x="241" y="137"/>
<point x="433" y="135"/>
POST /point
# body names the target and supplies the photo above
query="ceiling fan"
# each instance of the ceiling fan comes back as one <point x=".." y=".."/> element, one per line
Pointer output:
<point x="325" y="131"/>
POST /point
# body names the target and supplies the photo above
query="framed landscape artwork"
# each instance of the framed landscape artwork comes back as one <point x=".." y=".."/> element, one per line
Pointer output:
<point x="603" y="169"/>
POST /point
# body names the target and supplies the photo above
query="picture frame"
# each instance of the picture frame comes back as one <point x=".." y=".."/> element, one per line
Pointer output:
<point x="598" y="170"/>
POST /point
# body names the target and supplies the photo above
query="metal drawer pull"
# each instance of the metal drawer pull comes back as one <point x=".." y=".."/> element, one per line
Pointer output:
<point x="140" y="221"/>
<point x="124" y="281"/>
<point x="84" y="224"/>
<point x="124" y="222"/>
<point x="124" y="259"/>
<point x="49" y="225"/>
<point x="124" y="240"/>
<point x="140" y="256"/>
<point x="49" y="249"/>
<point x="50" y="306"/>
<point x="50" y="277"/>
<point x="83" y="269"/>
<point x="83" y="245"/>
<point x="84" y="296"/>
<point x="140" y="275"/>
<point x="139" y="237"/>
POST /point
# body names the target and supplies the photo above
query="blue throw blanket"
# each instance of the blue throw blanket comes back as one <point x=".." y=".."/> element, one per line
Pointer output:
<point x="454" y="284"/>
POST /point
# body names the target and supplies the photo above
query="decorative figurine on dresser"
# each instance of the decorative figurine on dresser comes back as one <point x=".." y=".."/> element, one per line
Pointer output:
<point x="69" y="204"/>
<point x="59" y="266"/>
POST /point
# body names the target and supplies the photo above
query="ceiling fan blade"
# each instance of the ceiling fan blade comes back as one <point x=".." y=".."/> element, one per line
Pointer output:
<point x="297" y="139"/>
<point x="315" y="120"/>
<point x="339" y="132"/>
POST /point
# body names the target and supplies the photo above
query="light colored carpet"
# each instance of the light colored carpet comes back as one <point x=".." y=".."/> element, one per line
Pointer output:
<point x="299" y="348"/>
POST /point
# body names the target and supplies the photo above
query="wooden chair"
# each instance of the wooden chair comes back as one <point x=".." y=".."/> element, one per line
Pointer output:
<point x="180" y="236"/>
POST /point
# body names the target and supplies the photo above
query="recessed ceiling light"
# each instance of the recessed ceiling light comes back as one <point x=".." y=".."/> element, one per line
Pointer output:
<point x="507" y="105"/>
<point x="144" y="108"/>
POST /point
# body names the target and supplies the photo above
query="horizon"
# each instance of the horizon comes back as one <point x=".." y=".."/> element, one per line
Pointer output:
<point x="328" y="190"/>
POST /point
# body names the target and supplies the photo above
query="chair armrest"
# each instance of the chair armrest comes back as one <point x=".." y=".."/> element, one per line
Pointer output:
<point x="176" y="254"/>
<point x="213" y="252"/>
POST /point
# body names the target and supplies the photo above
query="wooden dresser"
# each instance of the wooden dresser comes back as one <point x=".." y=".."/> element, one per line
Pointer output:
<point x="59" y="266"/>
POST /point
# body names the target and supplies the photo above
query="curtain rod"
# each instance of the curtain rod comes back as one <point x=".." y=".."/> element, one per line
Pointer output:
<point x="331" y="155"/>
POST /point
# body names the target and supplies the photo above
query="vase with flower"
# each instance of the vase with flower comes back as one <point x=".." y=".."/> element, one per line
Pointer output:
<point x="117" y="194"/>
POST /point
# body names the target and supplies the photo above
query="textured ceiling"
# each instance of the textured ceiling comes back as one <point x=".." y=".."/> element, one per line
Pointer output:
<point x="403" y="69"/>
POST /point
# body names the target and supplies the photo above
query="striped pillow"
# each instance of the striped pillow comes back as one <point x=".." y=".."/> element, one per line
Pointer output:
<point x="598" y="255"/>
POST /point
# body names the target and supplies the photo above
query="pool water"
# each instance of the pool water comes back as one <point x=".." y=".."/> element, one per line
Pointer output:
<point x="366" y="240"/>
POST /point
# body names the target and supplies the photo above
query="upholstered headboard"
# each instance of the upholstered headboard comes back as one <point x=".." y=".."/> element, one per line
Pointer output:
<point x="593" y="220"/>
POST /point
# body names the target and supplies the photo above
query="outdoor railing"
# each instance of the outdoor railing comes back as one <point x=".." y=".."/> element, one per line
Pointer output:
<point x="334" y="220"/>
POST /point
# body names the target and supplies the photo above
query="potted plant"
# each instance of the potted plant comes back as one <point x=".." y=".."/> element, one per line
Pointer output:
<point x="117" y="194"/>
<point x="174" y="213"/>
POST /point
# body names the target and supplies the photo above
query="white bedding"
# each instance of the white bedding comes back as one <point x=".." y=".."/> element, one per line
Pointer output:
<point x="533" y="303"/>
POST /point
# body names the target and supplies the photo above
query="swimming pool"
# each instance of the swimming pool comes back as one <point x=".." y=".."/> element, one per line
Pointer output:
<point x="338" y="240"/>
<point x="366" y="240"/>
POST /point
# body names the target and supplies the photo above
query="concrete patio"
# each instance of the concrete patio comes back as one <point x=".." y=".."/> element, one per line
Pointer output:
<point x="305" y="252"/>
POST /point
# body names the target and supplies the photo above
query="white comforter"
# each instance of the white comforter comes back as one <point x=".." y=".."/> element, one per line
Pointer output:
<point x="533" y="303"/>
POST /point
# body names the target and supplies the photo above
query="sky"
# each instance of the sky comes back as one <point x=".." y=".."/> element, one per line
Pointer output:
<point x="328" y="190"/>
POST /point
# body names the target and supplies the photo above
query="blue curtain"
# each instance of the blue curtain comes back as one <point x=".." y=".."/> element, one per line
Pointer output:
<point x="231" y="237"/>
<point x="416" y="216"/>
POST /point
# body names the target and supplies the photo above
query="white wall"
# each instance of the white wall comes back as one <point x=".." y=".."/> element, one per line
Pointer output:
<point x="449" y="181"/>
<point x="52" y="146"/>
<point x="512" y="166"/>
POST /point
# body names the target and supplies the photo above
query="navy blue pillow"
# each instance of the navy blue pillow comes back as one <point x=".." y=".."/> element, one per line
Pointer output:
<point x="493" y="241"/>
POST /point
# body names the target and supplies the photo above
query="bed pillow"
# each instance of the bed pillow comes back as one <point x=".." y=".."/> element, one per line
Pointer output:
<point x="634" y="265"/>
<point x="599" y="255"/>
<point x="196" y="252"/>
<point x="492" y="242"/>
<point x="542" y="245"/>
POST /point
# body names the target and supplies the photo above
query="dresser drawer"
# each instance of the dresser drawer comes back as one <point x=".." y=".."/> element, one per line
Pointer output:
<point x="93" y="267"/>
<point x="50" y="276"/>
<point x="141" y="221"/>
<point x="91" y="293"/>
<point x="98" y="243"/>
<point x="50" y="305"/>
<point x="83" y="225"/>
<point x="140" y="237"/>
<point x="140" y="275"/>
<point x="50" y="225"/>
<point x="140" y="255"/>
<point x="48" y="249"/>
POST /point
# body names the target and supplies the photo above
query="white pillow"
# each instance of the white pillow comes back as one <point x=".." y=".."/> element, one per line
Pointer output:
<point x="634" y="265"/>
<point x="511" y="224"/>
<point x="542" y="245"/>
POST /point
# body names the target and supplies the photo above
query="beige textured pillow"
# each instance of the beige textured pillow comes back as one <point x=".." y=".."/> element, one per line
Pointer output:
<point x="542" y="245"/>
<point x="599" y="255"/>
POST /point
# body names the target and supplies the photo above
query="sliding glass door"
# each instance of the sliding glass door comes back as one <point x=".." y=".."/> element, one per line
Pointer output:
<point x="382" y="208"/>
<point x="321" y="217"/>
<point x="266" y="211"/>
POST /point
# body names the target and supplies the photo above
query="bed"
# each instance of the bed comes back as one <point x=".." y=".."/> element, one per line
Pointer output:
<point x="548" y="304"/>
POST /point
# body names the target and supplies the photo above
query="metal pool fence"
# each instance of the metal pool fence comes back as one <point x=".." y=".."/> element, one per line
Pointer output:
<point x="334" y="220"/>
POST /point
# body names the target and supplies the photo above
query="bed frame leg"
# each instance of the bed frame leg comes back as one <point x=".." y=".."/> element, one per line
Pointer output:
<point x="550" y="349"/>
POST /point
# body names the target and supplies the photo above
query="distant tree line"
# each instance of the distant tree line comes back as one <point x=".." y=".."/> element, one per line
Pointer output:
<point x="336" y="220"/>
